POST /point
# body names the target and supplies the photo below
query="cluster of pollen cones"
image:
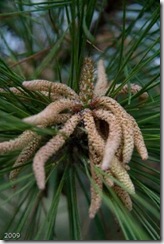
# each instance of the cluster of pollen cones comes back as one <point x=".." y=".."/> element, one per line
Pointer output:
<point x="112" y="133"/>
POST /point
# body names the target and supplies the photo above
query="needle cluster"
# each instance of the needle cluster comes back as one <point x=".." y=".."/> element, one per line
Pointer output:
<point x="110" y="149"/>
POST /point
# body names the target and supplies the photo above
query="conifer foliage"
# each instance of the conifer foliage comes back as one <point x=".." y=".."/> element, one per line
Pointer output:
<point x="79" y="120"/>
